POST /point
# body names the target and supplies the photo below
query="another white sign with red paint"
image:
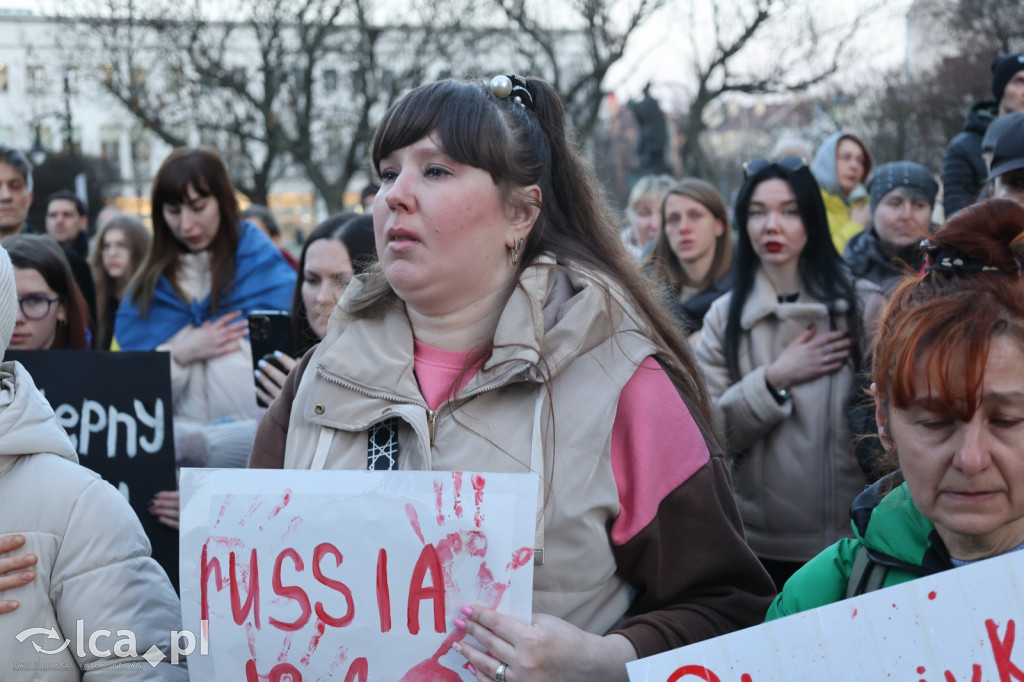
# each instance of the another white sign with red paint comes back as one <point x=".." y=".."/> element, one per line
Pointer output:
<point x="955" y="626"/>
<point x="348" y="575"/>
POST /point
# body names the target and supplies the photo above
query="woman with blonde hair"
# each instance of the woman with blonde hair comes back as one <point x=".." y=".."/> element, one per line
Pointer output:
<point x="643" y="211"/>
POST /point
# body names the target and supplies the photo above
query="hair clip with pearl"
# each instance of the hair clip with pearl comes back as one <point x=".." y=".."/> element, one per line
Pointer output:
<point x="513" y="86"/>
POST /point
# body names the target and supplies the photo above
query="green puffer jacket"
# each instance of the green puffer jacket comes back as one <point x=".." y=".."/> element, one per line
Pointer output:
<point x="897" y="535"/>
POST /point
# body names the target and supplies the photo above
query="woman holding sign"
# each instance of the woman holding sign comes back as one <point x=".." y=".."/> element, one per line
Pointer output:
<point x="506" y="329"/>
<point x="949" y="395"/>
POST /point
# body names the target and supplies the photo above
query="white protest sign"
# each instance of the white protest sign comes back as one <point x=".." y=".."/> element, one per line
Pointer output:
<point x="348" y="575"/>
<point x="955" y="626"/>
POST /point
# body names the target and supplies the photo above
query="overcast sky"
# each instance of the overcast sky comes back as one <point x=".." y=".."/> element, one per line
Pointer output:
<point x="661" y="52"/>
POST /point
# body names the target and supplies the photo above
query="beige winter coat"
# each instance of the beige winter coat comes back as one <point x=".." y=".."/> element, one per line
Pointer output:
<point x="362" y="373"/>
<point x="94" y="559"/>
<point x="794" y="469"/>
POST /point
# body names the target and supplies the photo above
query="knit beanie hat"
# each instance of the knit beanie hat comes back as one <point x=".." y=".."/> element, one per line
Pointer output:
<point x="1003" y="68"/>
<point x="913" y="176"/>
<point x="8" y="301"/>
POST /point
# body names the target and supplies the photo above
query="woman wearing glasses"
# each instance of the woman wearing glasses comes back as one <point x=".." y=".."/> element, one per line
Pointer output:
<point x="52" y="314"/>
<point x="780" y="352"/>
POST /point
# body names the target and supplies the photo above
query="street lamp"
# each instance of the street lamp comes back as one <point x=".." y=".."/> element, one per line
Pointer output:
<point x="37" y="153"/>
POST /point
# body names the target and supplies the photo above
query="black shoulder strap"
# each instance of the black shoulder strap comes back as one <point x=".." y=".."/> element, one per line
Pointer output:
<point x="866" y="575"/>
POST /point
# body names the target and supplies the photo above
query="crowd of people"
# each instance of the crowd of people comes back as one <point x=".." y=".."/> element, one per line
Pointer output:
<point x="694" y="389"/>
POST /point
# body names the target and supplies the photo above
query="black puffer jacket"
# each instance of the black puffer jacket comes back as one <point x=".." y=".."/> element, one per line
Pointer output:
<point x="691" y="312"/>
<point x="868" y="259"/>
<point x="963" y="169"/>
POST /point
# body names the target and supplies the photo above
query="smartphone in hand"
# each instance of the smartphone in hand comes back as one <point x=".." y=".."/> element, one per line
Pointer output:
<point x="269" y="331"/>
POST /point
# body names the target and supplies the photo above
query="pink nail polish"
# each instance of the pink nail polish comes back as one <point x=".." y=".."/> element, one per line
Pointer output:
<point x="471" y="668"/>
<point x="460" y="624"/>
<point x="466" y="610"/>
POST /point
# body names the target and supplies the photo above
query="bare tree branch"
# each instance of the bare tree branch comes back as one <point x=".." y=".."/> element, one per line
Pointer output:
<point x="298" y="84"/>
<point x="578" y="78"/>
<point x="795" y="64"/>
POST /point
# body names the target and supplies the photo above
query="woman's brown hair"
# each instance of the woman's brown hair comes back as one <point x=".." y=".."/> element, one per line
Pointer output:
<point x="665" y="266"/>
<point x="203" y="169"/>
<point x="519" y="147"/>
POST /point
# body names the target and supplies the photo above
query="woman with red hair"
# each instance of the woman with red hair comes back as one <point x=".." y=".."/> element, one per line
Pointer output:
<point x="949" y="394"/>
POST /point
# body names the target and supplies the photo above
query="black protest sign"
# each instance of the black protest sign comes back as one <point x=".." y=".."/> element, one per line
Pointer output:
<point x="116" y="408"/>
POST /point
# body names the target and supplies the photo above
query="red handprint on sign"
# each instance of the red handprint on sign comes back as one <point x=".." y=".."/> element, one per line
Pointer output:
<point x="453" y="570"/>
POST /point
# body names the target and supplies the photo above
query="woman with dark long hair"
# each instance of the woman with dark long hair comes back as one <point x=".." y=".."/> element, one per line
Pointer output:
<point x="118" y="250"/>
<point x="337" y="250"/>
<point x="779" y="353"/>
<point x="204" y="273"/>
<point x="52" y="314"/>
<point x="507" y="329"/>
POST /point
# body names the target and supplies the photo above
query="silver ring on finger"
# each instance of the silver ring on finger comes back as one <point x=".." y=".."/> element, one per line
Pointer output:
<point x="499" y="674"/>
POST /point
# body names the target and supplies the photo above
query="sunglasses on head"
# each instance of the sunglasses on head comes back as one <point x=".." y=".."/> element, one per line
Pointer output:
<point x="790" y="163"/>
